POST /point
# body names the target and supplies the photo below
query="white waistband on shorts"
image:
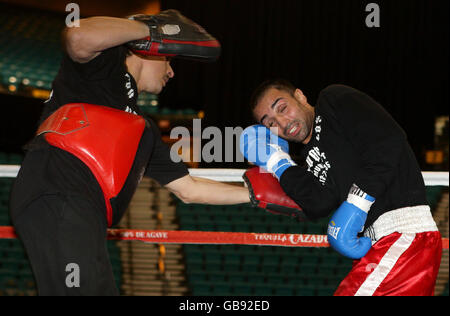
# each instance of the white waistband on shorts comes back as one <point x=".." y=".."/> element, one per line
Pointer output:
<point x="407" y="220"/>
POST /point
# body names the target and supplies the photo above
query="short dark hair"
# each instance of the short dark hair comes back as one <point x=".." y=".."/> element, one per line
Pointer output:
<point x="279" y="84"/>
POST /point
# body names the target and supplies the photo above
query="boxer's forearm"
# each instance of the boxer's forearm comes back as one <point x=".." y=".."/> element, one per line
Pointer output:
<point x="213" y="192"/>
<point x="203" y="191"/>
<point x="96" y="34"/>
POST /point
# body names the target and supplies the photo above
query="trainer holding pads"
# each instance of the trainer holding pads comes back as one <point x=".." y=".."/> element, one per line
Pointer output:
<point x="94" y="145"/>
<point x="361" y="169"/>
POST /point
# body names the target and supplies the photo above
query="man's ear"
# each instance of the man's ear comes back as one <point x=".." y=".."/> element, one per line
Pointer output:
<point x="300" y="97"/>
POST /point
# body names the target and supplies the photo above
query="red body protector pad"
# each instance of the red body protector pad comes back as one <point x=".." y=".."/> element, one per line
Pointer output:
<point x="103" y="138"/>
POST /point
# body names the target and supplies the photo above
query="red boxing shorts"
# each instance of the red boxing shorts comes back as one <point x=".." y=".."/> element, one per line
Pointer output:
<point x="398" y="264"/>
<point x="104" y="139"/>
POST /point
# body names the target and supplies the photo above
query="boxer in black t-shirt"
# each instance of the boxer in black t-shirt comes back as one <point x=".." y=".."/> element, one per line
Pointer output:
<point x="358" y="166"/>
<point x="94" y="145"/>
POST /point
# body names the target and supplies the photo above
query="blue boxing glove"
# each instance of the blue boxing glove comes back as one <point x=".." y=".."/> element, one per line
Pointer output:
<point x="347" y="222"/>
<point x="265" y="149"/>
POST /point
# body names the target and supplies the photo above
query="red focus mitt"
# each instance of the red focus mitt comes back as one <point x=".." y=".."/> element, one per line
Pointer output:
<point x="266" y="192"/>
<point x="172" y="34"/>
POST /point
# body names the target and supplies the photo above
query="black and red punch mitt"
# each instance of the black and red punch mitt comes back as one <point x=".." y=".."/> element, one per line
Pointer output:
<point x="266" y="193"/>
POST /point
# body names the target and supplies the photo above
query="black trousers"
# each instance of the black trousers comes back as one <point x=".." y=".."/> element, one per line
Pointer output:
<point x="65" y="239"/>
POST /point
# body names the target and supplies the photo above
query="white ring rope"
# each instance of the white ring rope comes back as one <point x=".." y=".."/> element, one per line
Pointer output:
<point x="235" y="175"/>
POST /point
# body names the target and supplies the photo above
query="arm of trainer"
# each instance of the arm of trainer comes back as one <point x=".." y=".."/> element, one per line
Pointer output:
<point x="204" y="191"/>
<point x="168" y="33"/>
<point x="96" y="34"/>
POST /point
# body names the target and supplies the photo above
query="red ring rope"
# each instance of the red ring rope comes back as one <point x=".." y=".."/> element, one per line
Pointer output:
<point x="222" y="238"/>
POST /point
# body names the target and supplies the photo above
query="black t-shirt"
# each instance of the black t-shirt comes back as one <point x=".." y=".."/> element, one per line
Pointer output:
<point x="50" y="170"/>
<point x="354" y="141"/>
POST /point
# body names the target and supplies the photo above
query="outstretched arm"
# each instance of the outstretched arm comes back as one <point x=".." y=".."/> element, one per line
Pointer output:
<point x="203" y="191"/>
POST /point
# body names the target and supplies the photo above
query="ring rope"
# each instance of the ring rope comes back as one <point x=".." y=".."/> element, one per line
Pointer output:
<point x="235" y="175"/>
<point x="211" y="238"/>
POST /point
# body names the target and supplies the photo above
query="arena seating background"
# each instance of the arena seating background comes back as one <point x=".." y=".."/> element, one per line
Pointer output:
<point x="30" y="54"/>
<point x="29" y="58"/>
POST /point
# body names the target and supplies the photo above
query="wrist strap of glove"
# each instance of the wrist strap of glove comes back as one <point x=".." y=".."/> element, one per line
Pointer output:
<point x="360" y="199"/>
<point x="277" y="161"/>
